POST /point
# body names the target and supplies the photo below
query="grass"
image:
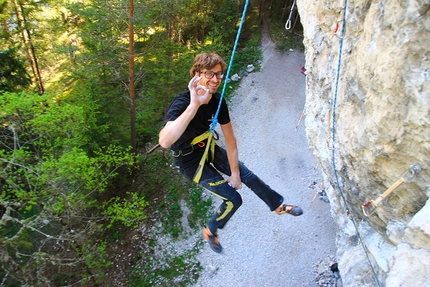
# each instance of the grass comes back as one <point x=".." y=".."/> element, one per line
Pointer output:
<point x="179" y="270"/>
<point x="286" y="39"/>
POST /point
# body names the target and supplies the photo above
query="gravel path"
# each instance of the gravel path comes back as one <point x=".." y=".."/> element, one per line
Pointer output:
<point x="262" y="248"/>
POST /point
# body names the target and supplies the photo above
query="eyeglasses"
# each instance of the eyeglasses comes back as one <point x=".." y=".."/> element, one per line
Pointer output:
<point x="210" y="75"/>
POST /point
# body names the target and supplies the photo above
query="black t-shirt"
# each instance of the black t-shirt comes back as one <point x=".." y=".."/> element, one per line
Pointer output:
<point x="201" y="121"/>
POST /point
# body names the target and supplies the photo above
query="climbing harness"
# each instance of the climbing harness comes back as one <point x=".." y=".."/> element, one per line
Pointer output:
<point x="210" y="145"/>
<point x="208" y="135"/>
<point x="288" y="24"/>
<point x="407" y="176"/>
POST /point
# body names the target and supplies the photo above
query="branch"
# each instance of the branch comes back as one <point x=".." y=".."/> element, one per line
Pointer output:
<point x="6" y="217"/>
<point x="17" y="164"/>
<point x="103" y="180"/>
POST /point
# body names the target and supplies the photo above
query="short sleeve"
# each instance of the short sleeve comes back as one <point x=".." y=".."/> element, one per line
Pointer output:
<point x="177" y="107"/>
<point x="223" y="116"/>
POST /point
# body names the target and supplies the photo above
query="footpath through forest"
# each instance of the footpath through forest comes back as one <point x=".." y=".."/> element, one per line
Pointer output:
<point x="262" y="248"/>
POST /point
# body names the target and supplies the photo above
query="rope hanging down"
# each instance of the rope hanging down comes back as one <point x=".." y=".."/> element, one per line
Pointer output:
<point x="215" y="119"/>
<point x="210" y="144"/>
<point x="333" y="148"/>
<point x="288" y="24"/>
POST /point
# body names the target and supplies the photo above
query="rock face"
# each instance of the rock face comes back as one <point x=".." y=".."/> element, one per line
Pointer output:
<point x="367" y="122"/>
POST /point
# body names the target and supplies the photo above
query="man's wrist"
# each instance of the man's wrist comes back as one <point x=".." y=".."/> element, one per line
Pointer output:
<point x="235" y="173"/>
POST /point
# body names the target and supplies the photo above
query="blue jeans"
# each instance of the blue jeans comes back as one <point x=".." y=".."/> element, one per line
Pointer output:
<point x="212" y="181"/>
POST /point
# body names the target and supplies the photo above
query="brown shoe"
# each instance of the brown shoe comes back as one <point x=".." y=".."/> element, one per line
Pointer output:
<point x="289" y="209"/>
<point x="213" y="240"/>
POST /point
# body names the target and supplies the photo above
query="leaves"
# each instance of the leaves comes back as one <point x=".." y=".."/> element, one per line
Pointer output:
<point x="12" y="72"/>
<point x="65" y="163"/>
<point x="129" y="211"/>
<point x="50" y="184"/>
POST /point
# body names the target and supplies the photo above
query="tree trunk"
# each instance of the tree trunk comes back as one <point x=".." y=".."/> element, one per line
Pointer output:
<point x="295" y="22"/>
<point x="132" y="90"/>
<point x="260" y="9"/>
<point x="26" y="38"/>
<point x="270" y="9"/>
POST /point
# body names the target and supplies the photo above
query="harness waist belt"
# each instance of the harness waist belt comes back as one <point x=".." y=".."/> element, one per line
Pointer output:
<point x="183" y="152"/>
<point x="189" y="150"/>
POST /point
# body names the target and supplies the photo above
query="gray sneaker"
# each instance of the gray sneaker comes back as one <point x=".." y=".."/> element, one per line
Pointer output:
<point x="289" y="209"/>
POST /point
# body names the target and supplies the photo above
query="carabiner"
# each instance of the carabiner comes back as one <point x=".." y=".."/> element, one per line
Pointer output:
<point x="288" y="24"/>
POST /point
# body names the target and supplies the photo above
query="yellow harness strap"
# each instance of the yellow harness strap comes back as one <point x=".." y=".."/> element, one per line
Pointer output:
<point x="210" y="144"/>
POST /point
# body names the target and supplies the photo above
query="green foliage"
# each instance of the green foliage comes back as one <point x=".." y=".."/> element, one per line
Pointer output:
<point x="163" y="181"/>
<point x="172" y="211"/>
<point x="200" y="208"/>
<point x="171" y="270"/>
<point x="129" y="211"/>
<point x="167" y="68"/>
<point x="13" y="75"/>
<point x="98" y="259"/>
<point x="286" y="40"/>
<point x="103" y="112"/>
<point x="160" y="177"/>
<point x="46" y="122"/>
<point x="49" y="188"/>
<point x="277" y="18"/>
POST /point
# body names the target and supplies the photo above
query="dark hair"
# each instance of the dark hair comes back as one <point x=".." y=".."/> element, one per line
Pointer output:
<point x="207" y="61"/>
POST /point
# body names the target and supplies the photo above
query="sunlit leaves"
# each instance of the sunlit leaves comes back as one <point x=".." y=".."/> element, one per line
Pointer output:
<point x="129" y="211"/>
<point x="50" y="184"/>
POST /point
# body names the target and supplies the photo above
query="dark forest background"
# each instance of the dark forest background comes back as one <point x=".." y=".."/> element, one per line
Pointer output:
<point x="84" y="86"/>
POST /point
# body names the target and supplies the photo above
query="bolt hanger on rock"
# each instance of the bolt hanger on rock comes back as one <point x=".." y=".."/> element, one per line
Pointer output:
<point x="370" y="207"/>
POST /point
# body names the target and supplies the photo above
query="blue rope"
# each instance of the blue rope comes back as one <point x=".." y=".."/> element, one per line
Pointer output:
<point x="333" y="142"/>
<point x="215" y="118"/>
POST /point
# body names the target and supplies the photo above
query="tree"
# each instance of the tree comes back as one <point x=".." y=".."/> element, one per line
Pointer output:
<point x="131" y="74"/>
<point x="23" y="25"/>
<point x="50" y="222"/>
<point x="12" y="72"/>
<point x="106" y="58"/>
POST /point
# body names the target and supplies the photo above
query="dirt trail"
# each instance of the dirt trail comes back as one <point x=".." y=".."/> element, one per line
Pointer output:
<point x="260" y="247"/>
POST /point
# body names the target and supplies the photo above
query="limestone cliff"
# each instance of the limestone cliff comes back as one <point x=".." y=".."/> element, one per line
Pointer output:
<point x="367" y="121"/>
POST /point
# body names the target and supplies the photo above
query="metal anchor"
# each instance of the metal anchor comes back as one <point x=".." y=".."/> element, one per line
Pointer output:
<point x="406" y="177"/>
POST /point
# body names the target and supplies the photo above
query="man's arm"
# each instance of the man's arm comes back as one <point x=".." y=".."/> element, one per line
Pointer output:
<point x="173" y="130"/>
<point x="232" y="154"/>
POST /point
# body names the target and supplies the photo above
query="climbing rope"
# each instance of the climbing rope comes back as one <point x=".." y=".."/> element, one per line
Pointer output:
<point x="341" y="38"/>
<point x="288" y="24"/>
<point x="215" y="119"/>
<point x="208" y="136"/>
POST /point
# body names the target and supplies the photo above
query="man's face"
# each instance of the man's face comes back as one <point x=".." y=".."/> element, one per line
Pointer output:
<point x="213" y="83"/>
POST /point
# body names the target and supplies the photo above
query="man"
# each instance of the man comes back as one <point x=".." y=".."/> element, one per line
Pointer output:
<point x="189" y="116"/>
